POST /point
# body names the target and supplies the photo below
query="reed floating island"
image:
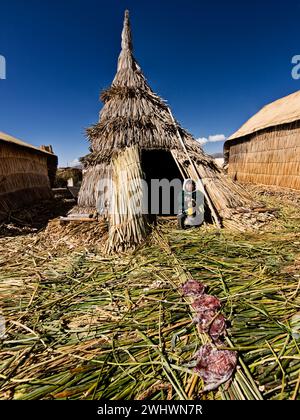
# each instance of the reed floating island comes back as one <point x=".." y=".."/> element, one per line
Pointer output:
<point x="80" y="325"/>
<point x="207" y="313"/>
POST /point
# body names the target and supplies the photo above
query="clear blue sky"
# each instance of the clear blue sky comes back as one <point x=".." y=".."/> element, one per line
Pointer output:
<point x="215" y="62"/>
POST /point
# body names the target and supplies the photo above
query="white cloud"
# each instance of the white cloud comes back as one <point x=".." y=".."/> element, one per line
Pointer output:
<point x="74" y="162"/>
<point x="202" y="140"/>
<point x="217" y="137"/>
<point x="211" y="139"/>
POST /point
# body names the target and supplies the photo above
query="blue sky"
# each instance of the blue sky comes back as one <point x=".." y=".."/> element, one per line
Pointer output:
<point x="217" y="63"/>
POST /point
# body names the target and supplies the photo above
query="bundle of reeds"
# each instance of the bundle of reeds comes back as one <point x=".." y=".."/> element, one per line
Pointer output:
<point x="72" y="234"/>
<point x="128" y="224"/>
<point x="90" y="195"/>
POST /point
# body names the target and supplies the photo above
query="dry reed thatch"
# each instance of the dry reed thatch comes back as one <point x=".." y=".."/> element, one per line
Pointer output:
<point x="266" y="149"/>
<point x="285" y="110"/>
<point x="90" y="196"/>
<point x="24" y="175"/>
<point x="127" y="221"/>
<point x="133" y="116"/>
<point x="76" y="235"/>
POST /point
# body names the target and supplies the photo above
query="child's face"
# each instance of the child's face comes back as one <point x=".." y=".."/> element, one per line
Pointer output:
<point x="189" y="186"/>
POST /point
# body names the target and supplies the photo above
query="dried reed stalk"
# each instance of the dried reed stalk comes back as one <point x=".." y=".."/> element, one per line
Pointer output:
<point x="127" y="224"/>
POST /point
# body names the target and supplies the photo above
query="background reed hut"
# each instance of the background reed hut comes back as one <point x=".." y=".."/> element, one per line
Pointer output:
<point x="137" y="138"/>
<point x="266" y="149"/>
<point x="26" y="173"/>
<point x="68" y="177"/>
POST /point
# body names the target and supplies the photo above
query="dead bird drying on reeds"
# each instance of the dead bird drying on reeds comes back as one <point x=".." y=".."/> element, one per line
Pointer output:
<point x="193" y="288"/>
<point x="206" y="302"/>
<point x="206" y="307"/>
<point x="214" y="366"/>
<point x="217" y="328"/>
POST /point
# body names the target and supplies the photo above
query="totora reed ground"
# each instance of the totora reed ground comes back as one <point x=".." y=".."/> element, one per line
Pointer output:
<point x="80" y="325"/>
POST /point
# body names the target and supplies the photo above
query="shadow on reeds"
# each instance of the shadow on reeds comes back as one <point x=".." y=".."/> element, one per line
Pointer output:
<point x="35" y="218"/>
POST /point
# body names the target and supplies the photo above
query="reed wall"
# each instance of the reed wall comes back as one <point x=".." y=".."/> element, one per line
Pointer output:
<point x="23" y="177"/>
<point x="270" y="157"/>
<point x="91" y="195"/>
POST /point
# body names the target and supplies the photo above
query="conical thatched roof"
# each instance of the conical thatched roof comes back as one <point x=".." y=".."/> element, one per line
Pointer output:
<point x="132" y="114"/>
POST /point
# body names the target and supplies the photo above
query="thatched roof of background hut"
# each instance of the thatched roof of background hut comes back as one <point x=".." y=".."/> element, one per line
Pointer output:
<point x="283" y="111"/>
<point x="13" y="140"/>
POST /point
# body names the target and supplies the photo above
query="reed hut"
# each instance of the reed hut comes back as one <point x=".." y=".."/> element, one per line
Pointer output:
<point x="26" y="173"/>
<point x="68" y="177"/>
<point x="266" y="149"/>
<point x="137" y="138"/>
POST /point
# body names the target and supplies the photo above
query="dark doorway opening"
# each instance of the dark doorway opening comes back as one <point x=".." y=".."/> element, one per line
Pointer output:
<point x="160" y="165"/>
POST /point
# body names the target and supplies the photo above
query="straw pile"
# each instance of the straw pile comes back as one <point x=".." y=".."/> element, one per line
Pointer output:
<point x="283" y="195"/>
<point x="34" y="218"/>
<point x="77" y="235"/>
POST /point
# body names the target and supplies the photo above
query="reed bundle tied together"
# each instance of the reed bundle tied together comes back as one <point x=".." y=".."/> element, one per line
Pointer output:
<point x="126" y="218"/>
